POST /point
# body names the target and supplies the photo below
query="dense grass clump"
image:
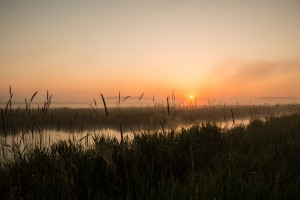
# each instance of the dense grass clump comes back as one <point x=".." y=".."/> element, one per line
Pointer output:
<point x="258" y="161"/>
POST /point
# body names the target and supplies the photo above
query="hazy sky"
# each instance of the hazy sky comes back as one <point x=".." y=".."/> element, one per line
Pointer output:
<point x="211" y="48"/>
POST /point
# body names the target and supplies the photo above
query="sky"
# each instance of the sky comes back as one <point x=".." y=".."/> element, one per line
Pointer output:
<point x="209" y="49"/>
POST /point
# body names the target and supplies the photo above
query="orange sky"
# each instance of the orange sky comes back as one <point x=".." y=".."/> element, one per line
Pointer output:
<point x="216" y="48"/>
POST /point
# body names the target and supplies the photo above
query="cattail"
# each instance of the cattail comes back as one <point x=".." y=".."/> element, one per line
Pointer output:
<point x="126" y="98"/>
<point x="6" y="107"/>
<point x="10" y="104"/>
<point x="50" y="98"/>
<point x="3" y="121"/>
<point x="104" y="105"/>
<point x="232" y="115"/>
<point x="18" y="109"/>
<point x="168" y="105"/>
<point x="121" y="133"/>
<point x="33" y="96"/>
<point x="141" y="96"/>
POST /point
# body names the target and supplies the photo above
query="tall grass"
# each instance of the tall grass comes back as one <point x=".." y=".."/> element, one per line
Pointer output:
<point x="201" y="161"/>
<point x="135" y="118"/>
<point x="172" y="115"/>
<point x="105" y="108"/>
<point x="205" y="161"/>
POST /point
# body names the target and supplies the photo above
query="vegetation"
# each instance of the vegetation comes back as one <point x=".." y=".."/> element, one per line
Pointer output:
<point x="202" y="161"/>
<point x="133" y="118"/>
<point x="257" y="161"/>
<point x="172" y="115"/>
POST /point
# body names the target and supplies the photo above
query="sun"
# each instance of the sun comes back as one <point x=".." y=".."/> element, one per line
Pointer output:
<point x="191" y="97"/>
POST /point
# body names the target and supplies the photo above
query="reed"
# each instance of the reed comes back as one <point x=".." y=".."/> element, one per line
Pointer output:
<point x="232" y="115"/>
<point x="106" y="112"/>
<point x="33" y="96"/>
<point x="260" y="160"/>
<point x="135" y="118"/>
<point x="168" y="106"/>
<point x="126" y="98"/>
<point x="141" y="96"/>
<point x="3" y="123"/>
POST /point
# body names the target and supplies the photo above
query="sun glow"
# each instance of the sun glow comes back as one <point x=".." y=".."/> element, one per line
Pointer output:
<point x="191" y="97"/>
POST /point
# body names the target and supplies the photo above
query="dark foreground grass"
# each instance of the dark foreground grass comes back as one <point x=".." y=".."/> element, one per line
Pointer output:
<point x="259" y="161"/>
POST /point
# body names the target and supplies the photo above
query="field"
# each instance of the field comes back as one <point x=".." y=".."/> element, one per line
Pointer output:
<point x="257" y="161"/>
<point x="210" y="152"/>
<point x="157" y="117"/>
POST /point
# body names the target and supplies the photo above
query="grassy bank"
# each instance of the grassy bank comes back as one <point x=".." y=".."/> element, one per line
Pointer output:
<point x="259" y="161"/>
<point x="136" y="118"/>
<point x="37" y="117"/>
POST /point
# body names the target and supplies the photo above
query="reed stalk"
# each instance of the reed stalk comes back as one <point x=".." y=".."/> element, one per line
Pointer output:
<point x="126" y="98"/>
<point x="232" y="116"/>
<point x="141" y="96"/>
<point x="106" y="112"/>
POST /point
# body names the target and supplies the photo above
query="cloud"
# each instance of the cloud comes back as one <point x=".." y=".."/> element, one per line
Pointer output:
<point x="254" y="78"/>
<point x="256" y="70"/>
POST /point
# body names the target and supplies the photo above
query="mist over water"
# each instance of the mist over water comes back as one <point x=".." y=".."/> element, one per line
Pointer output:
<point x="226" y="113"/>
<point x="48" y="137"/>
<point x="110" y="102"/>
<point x="148" y="102"/>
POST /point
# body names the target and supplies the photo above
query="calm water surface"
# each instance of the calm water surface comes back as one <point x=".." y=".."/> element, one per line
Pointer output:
<point x="46" y="138"/>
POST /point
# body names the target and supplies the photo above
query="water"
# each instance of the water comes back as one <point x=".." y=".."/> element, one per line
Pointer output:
<point x="46" y="138"/>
